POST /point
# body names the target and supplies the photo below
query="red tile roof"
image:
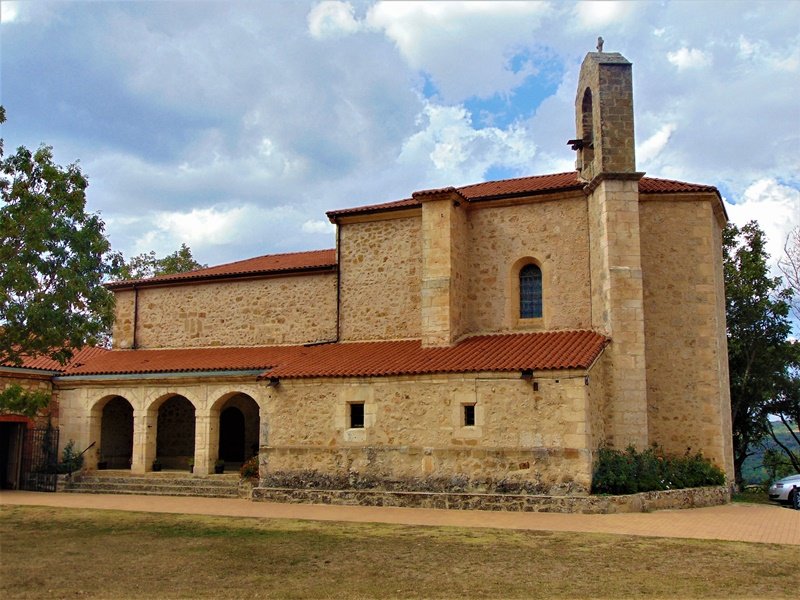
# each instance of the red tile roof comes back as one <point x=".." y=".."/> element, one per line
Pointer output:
<point x="270" y="264"/>
<point x="122" y="362"/>
<point x="524" y="186"/>
<point x="507" y="352"/>
<point x="44" y="363"/>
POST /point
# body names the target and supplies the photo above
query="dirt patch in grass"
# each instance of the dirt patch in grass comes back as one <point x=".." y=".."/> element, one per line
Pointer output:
<point x="66" y="553"/>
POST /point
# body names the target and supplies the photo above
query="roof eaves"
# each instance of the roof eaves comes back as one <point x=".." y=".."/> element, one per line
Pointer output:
<point x="397" y="205"/>
<point x="256" y="273"/>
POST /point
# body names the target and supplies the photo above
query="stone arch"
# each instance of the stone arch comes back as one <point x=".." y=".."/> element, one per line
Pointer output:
<point x="514" y="318"/>
<point x="116" y="433"/>
<point x="235" y="427"/>
<point x="111" y="429"/>
<point x="175" y="431"/>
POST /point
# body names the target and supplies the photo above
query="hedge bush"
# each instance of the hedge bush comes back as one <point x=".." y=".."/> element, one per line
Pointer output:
<point x="629" y="471"/>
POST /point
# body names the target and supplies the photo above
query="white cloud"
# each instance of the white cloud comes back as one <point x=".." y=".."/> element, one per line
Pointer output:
<point x="332" y="19"/>
<point x="596" y="15"/>
<point x="652" y="146"/>
<point x="689" y="58"/>
<point x="9" y="11"/>
<point x="775" y="206"/>
<point x="464" y="46"/>
<point x="453" y="152"/>
<point x="318" y="226"/>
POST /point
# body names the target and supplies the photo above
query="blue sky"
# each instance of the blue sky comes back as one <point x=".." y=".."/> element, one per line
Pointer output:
<point x="233" y="126"/>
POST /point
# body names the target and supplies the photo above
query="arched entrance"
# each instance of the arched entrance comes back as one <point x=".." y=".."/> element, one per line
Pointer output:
<point x="175" y="433"/>
<point x="238" y="429"/>
<point x="231" y="435"/>
<point x="116" y="434"/>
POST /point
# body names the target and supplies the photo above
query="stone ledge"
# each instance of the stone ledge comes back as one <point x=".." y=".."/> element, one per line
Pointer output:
<point x="643" y="502"/>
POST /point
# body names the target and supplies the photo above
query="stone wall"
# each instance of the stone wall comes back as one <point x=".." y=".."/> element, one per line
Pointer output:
<point x="380" y="268"/>
<point x="414" y="435"/>
<point x="687" y="383"/>
<point x="599" y="419"/>
<point x="255" y="312"/>
<point x="502" y="239"/>
<point x="644" y="502"/>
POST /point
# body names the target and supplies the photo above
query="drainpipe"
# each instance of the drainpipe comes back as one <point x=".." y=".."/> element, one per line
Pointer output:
<point x="135" y="315"/>
<point x="338" y="279"/>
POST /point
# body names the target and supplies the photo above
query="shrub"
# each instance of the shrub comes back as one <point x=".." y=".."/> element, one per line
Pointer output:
<point x="629" y="471"/>
<point x="71" y="460"/>
<point x="249" y="469"/>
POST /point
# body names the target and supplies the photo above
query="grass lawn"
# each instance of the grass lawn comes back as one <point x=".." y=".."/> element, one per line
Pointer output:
<point x="69" y="553"/>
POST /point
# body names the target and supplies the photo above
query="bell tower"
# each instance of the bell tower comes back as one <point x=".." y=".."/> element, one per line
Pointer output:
<point x="604" y="116"/>
<point x="606" y="162"/>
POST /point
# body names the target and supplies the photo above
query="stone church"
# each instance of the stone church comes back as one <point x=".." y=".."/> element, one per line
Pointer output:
<point x="486" y="337"/>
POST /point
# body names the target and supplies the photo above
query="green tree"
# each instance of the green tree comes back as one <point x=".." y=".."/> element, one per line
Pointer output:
<point x="54" y="257"/>
<point x="760" y="356"/>
<point x="147" y="265"/>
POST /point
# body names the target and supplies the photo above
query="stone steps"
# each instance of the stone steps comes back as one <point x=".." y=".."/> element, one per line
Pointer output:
<point x="161" y="484"/>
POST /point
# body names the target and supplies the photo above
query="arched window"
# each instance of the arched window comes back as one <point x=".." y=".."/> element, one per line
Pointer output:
<point x="530" y="292"/>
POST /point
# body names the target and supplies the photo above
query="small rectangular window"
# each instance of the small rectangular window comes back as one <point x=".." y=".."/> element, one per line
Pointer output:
<point x="469" y="415"/>
<point x="357" y="415"/>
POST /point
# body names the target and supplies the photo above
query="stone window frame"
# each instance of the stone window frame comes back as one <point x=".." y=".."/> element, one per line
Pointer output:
<point x="513" y="303"/>
<point x="355" y="394"/>
<point x="460" y="430"/>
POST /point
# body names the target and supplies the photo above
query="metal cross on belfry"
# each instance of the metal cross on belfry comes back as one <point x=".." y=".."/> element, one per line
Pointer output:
<point x="600" y="44"/>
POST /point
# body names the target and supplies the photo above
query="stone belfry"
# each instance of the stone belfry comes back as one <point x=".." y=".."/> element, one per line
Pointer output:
<point x="604" y="117"/>
<point x="606" y="162"/>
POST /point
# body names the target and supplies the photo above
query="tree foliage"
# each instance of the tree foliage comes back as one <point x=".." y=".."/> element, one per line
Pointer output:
<point x="16" y="400"/>
<point x="761" y="358"/>
<point x="147" y="265"/>
<point x="54" y="257"/>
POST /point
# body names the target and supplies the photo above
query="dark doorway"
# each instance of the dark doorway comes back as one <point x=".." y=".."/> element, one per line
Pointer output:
<point x="11" y="436"/>
<point x="231" y="435"/>
<point x="116" y="434"/>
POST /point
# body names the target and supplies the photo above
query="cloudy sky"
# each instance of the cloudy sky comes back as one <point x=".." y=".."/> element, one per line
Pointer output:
<point x="233" y="126"/>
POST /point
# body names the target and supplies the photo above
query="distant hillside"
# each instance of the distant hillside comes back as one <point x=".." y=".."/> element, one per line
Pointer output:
<point x="752" y="471"/>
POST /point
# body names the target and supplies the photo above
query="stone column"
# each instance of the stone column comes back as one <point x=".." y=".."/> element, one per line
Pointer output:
<point x="443" y="277"/>
<point x="618" y="303"/>
<point x="206" y="442"/>
<point x="145" y="430"/>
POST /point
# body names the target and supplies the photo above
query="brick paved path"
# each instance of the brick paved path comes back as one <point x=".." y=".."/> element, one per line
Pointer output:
<point x="738" y="522"/>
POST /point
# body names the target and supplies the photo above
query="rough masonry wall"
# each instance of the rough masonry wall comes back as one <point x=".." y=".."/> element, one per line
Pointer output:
<point x="414" y="436"/>
<point x="380" y="268"/>
<point x="599" y="418"/>
<point x="124" y="309"/>
<point x="555" y="233"/>
<point x="688" y="401"/>
<point x="257" y="312"/>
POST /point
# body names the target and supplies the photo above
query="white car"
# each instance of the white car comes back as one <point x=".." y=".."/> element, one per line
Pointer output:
<point x="786" y="489"/>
